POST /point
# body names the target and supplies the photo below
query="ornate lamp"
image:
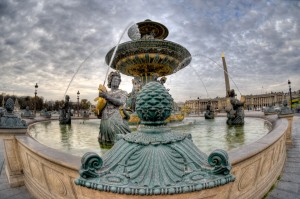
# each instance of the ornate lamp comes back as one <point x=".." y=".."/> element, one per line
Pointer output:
<point x="78" y="103"/>
<point x="35" y="93"/>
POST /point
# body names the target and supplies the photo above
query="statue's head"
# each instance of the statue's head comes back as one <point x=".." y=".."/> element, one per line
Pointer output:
<point x="67" y="98"/>
<point x="136" y="82"/>
<point x="284" y="103"/>
<point x="163" y="80"/>
<point x="155" y="76"/>
<point x="231" y="93"/>
<point x="114" y="79"/>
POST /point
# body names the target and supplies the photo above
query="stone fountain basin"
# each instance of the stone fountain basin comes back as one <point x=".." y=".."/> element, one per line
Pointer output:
<point x="48" y="172"/>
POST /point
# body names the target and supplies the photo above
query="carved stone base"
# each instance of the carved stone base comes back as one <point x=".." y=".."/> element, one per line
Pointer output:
<point x="14" y="180"/>
<point x="13" y="167"/>
<point x="289" y="117"/>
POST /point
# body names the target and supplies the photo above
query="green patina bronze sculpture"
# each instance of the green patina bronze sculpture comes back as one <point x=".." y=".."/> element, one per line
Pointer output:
<point x="10" y="121"/>
<point x="270" y="110"/>
<point x="154" y="160"/>
<point x="210" y="113"/>
<point x="235" y="115"/>
<point x="65" y="112"/>
<point x="136" y="87"/>
<point x="27" y="113"/>
<point x="46" y="114"/>
<point x="285" y="110"/>
<point x="112" y="120"/>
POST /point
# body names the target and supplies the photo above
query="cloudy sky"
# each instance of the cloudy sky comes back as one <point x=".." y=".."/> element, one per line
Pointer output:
<point x="46" y="42"/>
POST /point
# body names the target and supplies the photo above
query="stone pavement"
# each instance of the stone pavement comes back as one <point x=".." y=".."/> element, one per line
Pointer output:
<point x="6" y="192"/>
<point x="288" y="186"/>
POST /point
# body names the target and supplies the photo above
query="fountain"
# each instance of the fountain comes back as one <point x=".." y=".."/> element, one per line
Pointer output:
<point x="147" y="57"/>
<point x="174" y="165"/>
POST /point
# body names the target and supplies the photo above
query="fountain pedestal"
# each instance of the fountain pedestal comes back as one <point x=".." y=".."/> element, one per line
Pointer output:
<point x="286" y="112"/>
<point x="289" y="117"/>
<point x="13" y="167"/>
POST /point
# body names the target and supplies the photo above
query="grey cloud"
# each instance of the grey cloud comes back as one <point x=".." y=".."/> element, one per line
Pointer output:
<point x="46" y="42"/>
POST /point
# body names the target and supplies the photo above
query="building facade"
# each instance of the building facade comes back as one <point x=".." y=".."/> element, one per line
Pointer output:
<point x="198" y="106"/>
<point x="252" y="102"/>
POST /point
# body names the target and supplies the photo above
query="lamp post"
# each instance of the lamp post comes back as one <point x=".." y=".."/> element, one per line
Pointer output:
<point x="3" y="100"/>
<point x="35" y="92"/>
<point x="290" y="90"/>
<point x="78" y="103"/>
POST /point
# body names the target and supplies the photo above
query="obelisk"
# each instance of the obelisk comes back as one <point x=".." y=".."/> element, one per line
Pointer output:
<point x="225" y="74"/>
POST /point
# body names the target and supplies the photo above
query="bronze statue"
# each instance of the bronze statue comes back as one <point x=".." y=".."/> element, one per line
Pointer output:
<point x="45" y="113"/>
<point x="137" y="85"/>
<point x="113" y="121"/>
<point x="235" y="115"/>
<point x="27" y="113"/>
<point x="65" y="112"/>
<point x="285" y="110"/>
<point x="210" y="113"/>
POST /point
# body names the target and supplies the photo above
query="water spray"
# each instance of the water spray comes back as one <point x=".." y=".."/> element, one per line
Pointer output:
<point x="212" y="61"/>
<point x="92" y="53"/>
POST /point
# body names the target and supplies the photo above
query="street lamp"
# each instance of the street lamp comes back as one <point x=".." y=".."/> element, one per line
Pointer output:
<point x="3" y="100"/>
<point x="289" y="83"/>
<point x="35" y="92"/>
<point x="78" y="103"/>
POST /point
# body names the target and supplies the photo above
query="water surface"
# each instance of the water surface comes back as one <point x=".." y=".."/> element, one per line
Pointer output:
<point x="82" y="136"/>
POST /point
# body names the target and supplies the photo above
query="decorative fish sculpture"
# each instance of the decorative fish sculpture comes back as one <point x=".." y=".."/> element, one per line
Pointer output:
<point x="101" y="102"/>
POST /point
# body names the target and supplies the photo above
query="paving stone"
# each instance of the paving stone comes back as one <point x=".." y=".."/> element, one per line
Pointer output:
<point x="293" y="155"/>
<point x="4" y="186"/>
<point x="294" y="160"/>
<point x="290" y="177"/>
<point x="271" y="197"/>
<point x="8" y="194"/>
<point x="292" y="169"/>
<point x="23" y="194"/>
<point x="287" y="186"/>
<point x="292" y="164"/>
<point x="280" y="194"/>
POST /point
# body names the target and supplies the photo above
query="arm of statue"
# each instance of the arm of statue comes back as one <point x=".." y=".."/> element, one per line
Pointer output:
<point x="237" y="102"/>
<point x="115" y="101"/>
